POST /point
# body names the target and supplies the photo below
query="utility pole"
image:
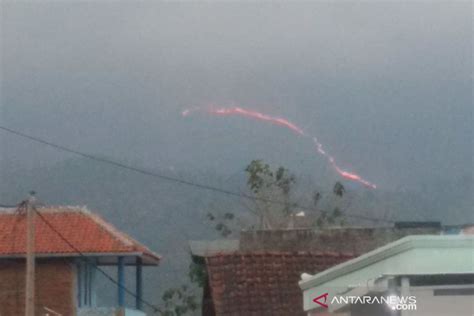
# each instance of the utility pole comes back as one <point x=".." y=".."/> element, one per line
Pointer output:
<point x="30" y="256"/>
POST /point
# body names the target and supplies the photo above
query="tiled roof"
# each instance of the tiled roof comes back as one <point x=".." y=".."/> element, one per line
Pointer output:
<point x="264" y="283"/>
<point x="87" y="232"/>
<point x="261" y="277"/>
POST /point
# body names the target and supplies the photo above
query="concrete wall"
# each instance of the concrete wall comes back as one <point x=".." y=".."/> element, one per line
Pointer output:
<point x="109" y="311"/>
<point x="103" y="311"/>
<point x="55" y="284"/>
<point x="350" y="240"/>
<point x="430" y="305"/>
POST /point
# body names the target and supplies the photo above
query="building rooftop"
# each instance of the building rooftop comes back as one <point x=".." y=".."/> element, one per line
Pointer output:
<point x="259" y="273"/>
<point x="263" y="283"/>
<point x="414" y="256"/>
<point x="85" y="232"/>
<point x="462" y="245"/>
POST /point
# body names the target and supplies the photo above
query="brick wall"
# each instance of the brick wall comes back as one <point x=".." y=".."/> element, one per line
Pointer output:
<point x="55" y="284"/>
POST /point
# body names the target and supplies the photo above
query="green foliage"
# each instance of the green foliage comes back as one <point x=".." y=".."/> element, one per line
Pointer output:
<point x="197" y="272"/>
<point x="178" y="301"/>
<point x="258" y="172"/>
<point x="339" y="189"/>
<point x="223" y="223"/>
<point x="220" y="226"/>
<point x="336" y="216"/>
<point x="269" y="184"/>
<point x="274" y="189"/>
<point x="182" y="300"/>
<point x="330" y="218"/>
<point x="229" y="216"/>
<point x="210" y="216"/>
<point x="261" y="176"/>
<point x="316" y="198"/>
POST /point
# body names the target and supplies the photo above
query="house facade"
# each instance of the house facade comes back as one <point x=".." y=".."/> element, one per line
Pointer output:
<point x="417" y="275"/>
<point x="71" y="246"/>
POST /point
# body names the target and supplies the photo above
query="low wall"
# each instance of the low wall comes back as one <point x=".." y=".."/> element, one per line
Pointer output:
<point x="109" y="311"/>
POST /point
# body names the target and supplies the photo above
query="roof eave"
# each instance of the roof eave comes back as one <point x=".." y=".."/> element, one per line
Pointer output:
<point x="149" y="259"/>
<point x="401" y="245"/>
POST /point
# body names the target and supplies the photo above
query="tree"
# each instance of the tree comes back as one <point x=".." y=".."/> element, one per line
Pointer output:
<point x="273" y="190"/>
<point x="223" y="223"/>
<point x="182" y="300"/>
<point x="178" y="301"/>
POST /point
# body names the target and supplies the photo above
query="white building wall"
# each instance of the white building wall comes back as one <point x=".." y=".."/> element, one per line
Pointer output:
<point x="430" y="305"/>
<point x="427" y="304"/>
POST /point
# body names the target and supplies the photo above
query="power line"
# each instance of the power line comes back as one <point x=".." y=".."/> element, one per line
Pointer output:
<point x="87" y="260"/>
<point x="128" y="167"/>
<point x="165" y="177"/>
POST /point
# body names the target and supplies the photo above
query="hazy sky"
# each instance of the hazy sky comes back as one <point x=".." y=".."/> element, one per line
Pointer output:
<point x="387" y="87"/>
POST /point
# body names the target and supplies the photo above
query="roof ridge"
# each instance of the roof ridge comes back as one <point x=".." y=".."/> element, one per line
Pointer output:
<point x="63" y="208"/>
<point x="121" y="236"/>
<point x="109" y="228"/>
<point x="118" y="235"/>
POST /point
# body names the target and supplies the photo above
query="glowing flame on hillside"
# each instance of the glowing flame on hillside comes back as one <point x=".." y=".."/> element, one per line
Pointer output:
<point x="238" y="111"/>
